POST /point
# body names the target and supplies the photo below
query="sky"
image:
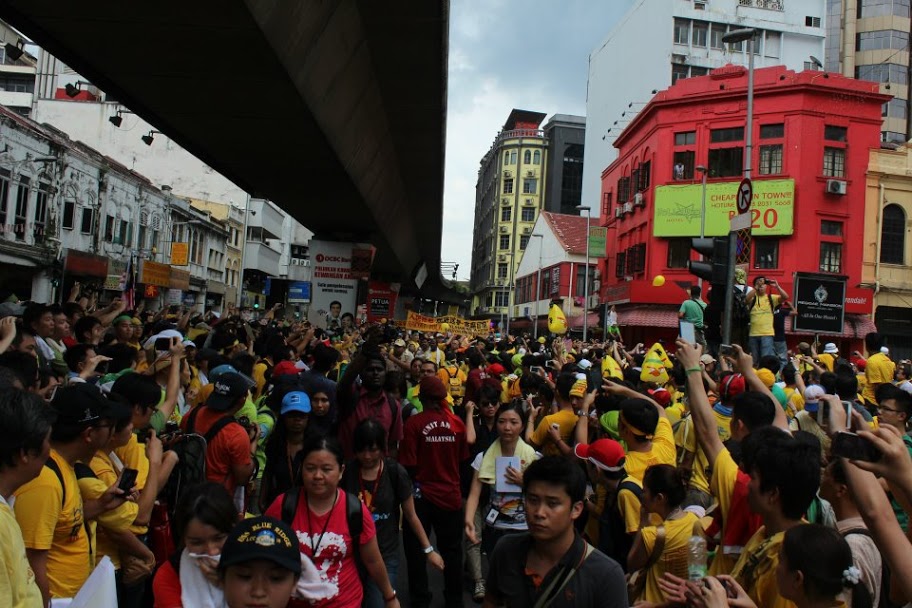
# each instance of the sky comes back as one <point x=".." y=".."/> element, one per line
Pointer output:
<point x="505" y="54"/>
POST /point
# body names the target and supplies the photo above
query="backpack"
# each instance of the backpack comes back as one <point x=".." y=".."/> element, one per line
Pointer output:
<point x="613" y="538"/>
<point x="740" y="309"/>
<point x="353" y="516"/>
<point x="455" y="384"/>
<point x="82" y="471"/>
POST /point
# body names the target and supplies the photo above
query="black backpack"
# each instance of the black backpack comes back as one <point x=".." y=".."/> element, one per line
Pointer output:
<point x="353" y="516"/>
<point x="613" y="538"/>
<point x="740" y="310"/>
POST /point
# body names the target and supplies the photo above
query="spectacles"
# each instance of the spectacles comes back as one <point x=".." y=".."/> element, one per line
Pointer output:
<point x="881" y="408"/>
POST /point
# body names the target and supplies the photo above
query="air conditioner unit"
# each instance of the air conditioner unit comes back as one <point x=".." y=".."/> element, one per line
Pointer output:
<point x="504" y="229"/>
<point x="639" y="200"/>
<point x="836" y="186"/>
<point x="618" y="212"/>
<point x="505" y="202"/>
<point x="529" y="202"/>
<point x="530" y="173"/>
<point x="508" y="174"/>
<point x="502" y="257"/>
<point x="499" y="282"/>
<point x="628" y="207"/>
<point x="527" y="231"/>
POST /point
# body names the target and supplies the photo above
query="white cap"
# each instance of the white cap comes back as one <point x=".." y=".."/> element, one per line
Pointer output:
<point x="584" y="364"/>
<point x="830" y="348"/>
<point x="885" y="350"/>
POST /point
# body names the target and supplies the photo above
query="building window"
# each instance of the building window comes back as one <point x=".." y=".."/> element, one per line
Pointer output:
<point x="895" y="108"/>
<point x="681" y="31"/>
<point x="700" y="34"/>
<point x="4" y="195"/>
<point x="719" y="136"/>
<point x="645" y="176"/>
<point x="507" y="157"/>
<point x="771" y="46"/>
<point x="528" y="214"/>
<point x="109" y="229"/>
<point x="726" y="162"/>
<point x="69" y="214"/>
<point x="883" y="72"/>
<point x="830" y="257"/>
<point x="504" y="241"/>
<point x="530" y="185"/>
<point x="623" y="190"/>
<point x="686" y="138"/>
<point x="536" y="157"/>
<point x="715" y="36"/>
<point x="834" y="162"/>
<point x="523" y="242"/>
<point x="581" y="280"/>
<point x="636" y="259"/>
<point x="501" y="271"/>
<point x="882" y="8"/>
<point x="41" y="199"/>
<point x="678" y="253"/>
<point x="684" y="165"/>
<point x="770" y="159"/>
<point x="830" y="228"/>
<point x="141" y="237"/>
<point x="678" y="72"/>
<point x="88" y="219"/>
<point x="620" y="265"/>
<point x="774" y="131"/>
<point x="833" y="133"/>
<point x="508" y="185"/>
<point x="766" y="253"/>
<point x="22" y="196"/>
<point x="893" y="235"/>
<point x="505" y="214"/>
<point x="879" y="40"/>
<point x="812" y="21"/>
<point x="527" y="157"/>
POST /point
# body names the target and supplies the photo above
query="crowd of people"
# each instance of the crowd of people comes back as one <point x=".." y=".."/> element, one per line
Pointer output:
<point x="226" y="460"/>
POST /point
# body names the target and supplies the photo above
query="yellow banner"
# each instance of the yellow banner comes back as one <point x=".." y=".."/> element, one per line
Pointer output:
<point x="180" y="254"/>
<point x="450" y="323"/>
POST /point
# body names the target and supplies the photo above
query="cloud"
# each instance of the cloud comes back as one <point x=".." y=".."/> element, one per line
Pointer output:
<point x="505" y="54"/>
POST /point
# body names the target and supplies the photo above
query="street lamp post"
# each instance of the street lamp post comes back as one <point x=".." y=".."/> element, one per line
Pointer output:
<point x="537" y="282"/>
<point x="734" y="37"/>
<point x="586" y="275"/>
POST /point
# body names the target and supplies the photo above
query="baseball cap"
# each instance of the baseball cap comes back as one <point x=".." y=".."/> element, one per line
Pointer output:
<point x="767" y="377"/>
<point x="830" y="348"/>
<point x="295" y="401"/>
<point x="606" y="454"/>
<point x="399" y="342"/>
<point x="83" y="403"/>
<point x="284" y="368"/>
<point x="262" y="538"/>
<point x="496" y="369"/>
<point x="812" y="395"/>
<point x="584" y="364"/>
<point x="229" y="387"/>
<point x="707" y="359"/>
<point x="660" y="395"/>
<point x="731" y="386"/>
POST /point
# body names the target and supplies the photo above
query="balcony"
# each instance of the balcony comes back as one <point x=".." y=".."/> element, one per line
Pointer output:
<point x="265" y="216"/>
<point x="260" y="256"/>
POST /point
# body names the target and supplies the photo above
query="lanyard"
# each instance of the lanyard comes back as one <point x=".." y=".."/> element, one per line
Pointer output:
<point x="315" y="546"/>
<point x="373" y="492"/>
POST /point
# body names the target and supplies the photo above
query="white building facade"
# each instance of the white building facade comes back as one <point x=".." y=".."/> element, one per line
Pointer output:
<point x="660" y="41"/>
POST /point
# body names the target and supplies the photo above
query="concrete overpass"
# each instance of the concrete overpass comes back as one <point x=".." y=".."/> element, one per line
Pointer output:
<point x="335" y="110"/>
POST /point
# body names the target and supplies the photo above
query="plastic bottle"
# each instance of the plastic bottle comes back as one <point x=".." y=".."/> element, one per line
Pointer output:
<point x="696" y="557"/>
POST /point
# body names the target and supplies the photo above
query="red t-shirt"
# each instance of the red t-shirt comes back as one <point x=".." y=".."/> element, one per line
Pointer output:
<point x="166" y="587"/>
<point x="333" y="558"/>
<point x="379" y="409"/>
<point x="231" y="447"/>
<point x="473" y="384"/>
<point x="434" y="444"/>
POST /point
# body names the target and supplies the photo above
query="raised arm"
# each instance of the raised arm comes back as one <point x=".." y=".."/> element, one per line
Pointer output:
<point x="703" y="420"/>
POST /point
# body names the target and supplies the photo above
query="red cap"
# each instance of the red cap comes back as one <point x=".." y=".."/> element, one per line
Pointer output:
<point x="606" y="454"/>
<point x="661" y="396"/>
<point x="496" y="369"/>
<point x="284" y="368"/>
<point x="731" y="386"/>
<point x="431" y="387"/>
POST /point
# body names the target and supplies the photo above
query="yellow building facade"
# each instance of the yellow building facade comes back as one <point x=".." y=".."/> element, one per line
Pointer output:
<point x="233" y="219"/>
<point x="887" y="264"/>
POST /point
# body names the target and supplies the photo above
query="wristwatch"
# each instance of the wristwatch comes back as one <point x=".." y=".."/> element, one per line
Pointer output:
<point x="428" y="550"/>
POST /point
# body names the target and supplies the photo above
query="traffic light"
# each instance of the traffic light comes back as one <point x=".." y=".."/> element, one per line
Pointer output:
<point x="714" y="266"/>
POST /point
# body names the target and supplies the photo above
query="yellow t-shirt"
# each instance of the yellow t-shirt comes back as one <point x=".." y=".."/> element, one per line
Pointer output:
<point x="674" y="554"/>
<point x="761" y="323"/>
<point x="878" y="370"/>
<point x="794" y="399"/>
<point x="629" y="507"/>
<point x="104" y="470"/>
<point x="133" y="456"/>
<point x="756" y="570"/>
<point x="259" y="376"/>
<point x="566" y="419"/>
<point x="17" y="580"/>
<point x="663" y="451"/>
<point x="50" y="524"/>
<point x="827" y="360"/>
<point x="722" y="486"/>
<point x="687" y="440"/>
<point x="118" y="519"/>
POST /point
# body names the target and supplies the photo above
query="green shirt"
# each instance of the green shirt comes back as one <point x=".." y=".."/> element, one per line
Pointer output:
<point x="693" y="312"/>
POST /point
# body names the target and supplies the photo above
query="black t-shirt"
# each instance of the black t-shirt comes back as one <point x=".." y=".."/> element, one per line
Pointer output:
<point x="779" y="317"/>
<point x="599" y="581"/>
<point x="392" y="489"/>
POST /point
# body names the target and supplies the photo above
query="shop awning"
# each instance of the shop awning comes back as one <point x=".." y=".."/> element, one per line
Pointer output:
<point x="648" y="316"/>
<point x="853" y="327"/>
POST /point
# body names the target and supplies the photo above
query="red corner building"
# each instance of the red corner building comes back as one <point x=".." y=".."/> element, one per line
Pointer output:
<point x="811" y="136"/>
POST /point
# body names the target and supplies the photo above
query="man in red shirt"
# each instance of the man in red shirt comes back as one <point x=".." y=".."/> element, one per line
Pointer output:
<point x="433" y="446"/>
<point x="368" y="399"/>
<point x="230" y="447"/>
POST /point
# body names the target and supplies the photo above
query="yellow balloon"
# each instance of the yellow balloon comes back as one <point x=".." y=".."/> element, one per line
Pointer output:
<point x="444" y="327"/>
<point x="658" y="281"/>
<point x="557" y="321"/>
